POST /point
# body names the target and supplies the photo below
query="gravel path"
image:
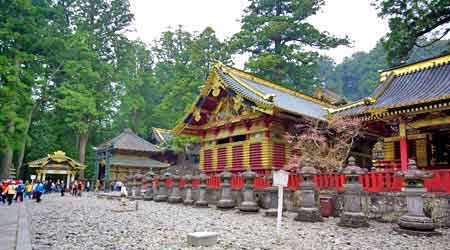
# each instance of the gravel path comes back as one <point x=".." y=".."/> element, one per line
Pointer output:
<point x="89" y="223"/>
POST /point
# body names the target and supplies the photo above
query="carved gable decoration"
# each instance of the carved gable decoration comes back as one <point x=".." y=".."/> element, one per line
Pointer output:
<point x="230" y="108"/>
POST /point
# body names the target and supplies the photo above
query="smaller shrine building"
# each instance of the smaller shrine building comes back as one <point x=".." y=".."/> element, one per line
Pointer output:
<point x="57" y="163"/>
<point x="125" y="155"/>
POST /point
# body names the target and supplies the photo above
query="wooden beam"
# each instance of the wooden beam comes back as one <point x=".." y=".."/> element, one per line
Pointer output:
<point x="430" y="122"/>
<point x="403" y="145"/>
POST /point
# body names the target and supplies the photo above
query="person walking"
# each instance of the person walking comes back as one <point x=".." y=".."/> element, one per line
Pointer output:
<point x="74" y="188"/>
<point x="62" y="188"/>
<point x="39" y="190"/>
<point x="3" y="190"/>
<point x="10" y="192"/>
<point x="20" y="188"/>
<point x="28" y="189"/>
<point x="33" y="193"/>
<point x="80" y="188"/>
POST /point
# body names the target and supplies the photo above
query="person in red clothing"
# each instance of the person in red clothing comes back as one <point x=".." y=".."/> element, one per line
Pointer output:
<point x="80" y="188"/>
<point x="3" y="190"/>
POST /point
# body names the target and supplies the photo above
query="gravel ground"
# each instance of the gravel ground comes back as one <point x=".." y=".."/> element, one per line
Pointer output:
<point x="89" y="223"/>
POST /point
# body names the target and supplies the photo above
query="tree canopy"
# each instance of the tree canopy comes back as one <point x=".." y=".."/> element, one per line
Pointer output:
<point x="413" y="23"/>
<point x="280" y="41"/>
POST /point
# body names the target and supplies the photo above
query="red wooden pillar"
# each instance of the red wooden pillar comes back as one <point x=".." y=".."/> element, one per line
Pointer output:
<point x="403" y="145"/>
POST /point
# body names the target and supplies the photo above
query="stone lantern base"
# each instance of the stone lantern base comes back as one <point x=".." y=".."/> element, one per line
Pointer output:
<point x="309" y="214"/>
<point x="249" y="207"/>
<point x="225" y="204"/>
<point x="160" y="198"/>
<point x="188" y="202"/>
<point x="354" y="220"/>
<point x="148" y="197"/>
<point x="201" y="203"/>
<point x="415" y="225"/>
<point x="175" y="199"/>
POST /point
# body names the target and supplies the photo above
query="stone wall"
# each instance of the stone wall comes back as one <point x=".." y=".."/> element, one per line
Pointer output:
<point x="383" y="207"/>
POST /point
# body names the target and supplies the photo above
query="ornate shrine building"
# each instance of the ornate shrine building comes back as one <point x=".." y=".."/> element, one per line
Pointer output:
<point x="241" y="121"/>
<point x="57" y="163"/>
<point x="182" y="161"/>
<point x="409" y="111"/>
<point x="125" y="155"/>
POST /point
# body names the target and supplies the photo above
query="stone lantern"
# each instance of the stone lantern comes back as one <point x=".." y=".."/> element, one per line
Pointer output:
<point x="271" y="198"/>
<point x="415" y="222"/>
<point x="175" y="194"/>
<point x="202" y="202"/>
<point x="226" y="200"/>
<point x="149" y="192"/>
<point x="162" y="191"/>
<point x="308" y="210"/>
<point x="353" y="215"/>
<point x="138" y="186"/>
<point x="129" y="184"/>
<point x="188" y="187"/>
<point x="248" y="204"/>
<point x="155" y="186"/>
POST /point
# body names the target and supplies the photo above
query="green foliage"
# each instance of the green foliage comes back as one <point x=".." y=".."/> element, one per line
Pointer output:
<point x="85" y="92"/>
<point x="279" y="39"/>
<point x="413" y="23"/>
<point x="358" y="74"/>
<point x="20" y="50"/>
<point x="183" y="61"/>
<point x="179" y="143"/>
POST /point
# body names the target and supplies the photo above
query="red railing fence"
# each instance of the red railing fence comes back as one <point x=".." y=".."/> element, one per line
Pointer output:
<point x="384" y="181"/>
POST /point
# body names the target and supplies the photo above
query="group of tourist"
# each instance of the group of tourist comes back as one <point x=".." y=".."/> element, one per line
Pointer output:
<point x="15" y="190"/>
<point x="77" y="188"/>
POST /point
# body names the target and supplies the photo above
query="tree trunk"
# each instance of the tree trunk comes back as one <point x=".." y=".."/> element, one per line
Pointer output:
<point x="6" y="165"/>
<point x="24" y="143"/>
<point x="83" y="138"/>
<point x="6" y="162"/>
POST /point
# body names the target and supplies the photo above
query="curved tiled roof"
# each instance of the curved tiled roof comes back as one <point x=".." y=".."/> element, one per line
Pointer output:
<point x="58" y="158"/>
<point x="422" y="85"/>
<point x="127" y="140"/>
<point x="258" y="92"/>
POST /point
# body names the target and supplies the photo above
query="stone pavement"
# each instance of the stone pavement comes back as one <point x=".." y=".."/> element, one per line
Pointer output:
<point x="74" y="223"/>
<point x="14" y="227"/>
<point x="9" y="217"/>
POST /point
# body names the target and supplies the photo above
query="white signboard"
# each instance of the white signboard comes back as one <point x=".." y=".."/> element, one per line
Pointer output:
<point x="280" y="178"/>
<point x="33" y="177"/>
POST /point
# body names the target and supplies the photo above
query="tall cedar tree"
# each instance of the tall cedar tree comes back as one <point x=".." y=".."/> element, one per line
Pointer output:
<point x="87" y="89"/>
<point x="413" y="23"/>
<point x="136" y="87"/>
<point x="22" y="38"/>
<point x="280" y="40"/>
<point x="183" y="61"/>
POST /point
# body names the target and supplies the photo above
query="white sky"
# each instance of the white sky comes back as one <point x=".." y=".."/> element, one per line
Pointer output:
<point x="355" y="18"/>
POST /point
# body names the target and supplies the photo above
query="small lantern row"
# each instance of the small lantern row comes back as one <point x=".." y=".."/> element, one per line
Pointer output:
<point x="414" y="222"/>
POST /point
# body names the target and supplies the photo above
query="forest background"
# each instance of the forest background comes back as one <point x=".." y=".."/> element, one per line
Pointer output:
<point x="70" y="77"/>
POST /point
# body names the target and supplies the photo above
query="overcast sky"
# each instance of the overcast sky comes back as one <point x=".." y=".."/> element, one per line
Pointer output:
<point x="355" y="18"/>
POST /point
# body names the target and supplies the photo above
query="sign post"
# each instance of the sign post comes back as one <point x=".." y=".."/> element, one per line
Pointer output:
<point x="280" y="179"/>
<point x="32" y="177"/>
